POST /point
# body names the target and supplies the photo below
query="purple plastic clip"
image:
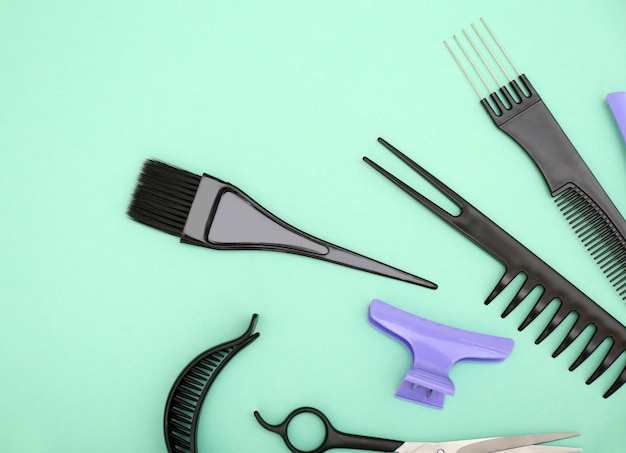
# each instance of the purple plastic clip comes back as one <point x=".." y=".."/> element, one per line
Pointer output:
<point x="435" y="349"/>
<point x="617" y="103"/>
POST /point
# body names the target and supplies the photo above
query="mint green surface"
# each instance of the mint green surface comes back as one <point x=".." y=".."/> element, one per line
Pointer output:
<point x="98" y="314"/>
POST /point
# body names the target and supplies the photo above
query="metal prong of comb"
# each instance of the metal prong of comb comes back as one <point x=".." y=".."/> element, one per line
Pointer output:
<point x="505" y="96"/>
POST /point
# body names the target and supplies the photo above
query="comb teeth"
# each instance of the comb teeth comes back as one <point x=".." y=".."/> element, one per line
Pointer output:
<point x="502" y="283"/>
<point x="187" y="398"/>
<point x="524" y="291"/>
<point x="610" y="357"/>
<point x="574" y="332"/>
<point x="191" y="386"/>
<point x="163" y="197"/>
<point x="594" y="342"/>
<point x="597" y="233"/>
<point x="571" y="336"/>
<point x="554" y="322"/>
<point x="536" y="310"/>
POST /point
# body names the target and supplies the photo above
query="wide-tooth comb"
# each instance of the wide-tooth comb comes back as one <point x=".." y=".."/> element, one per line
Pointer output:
<point x="517" y="109"/>
<point x="518" y="259"/>
<point x="190" y="388"/>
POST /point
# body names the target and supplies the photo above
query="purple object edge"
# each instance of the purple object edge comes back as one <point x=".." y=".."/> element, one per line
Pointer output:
<point x="617" y="103"/>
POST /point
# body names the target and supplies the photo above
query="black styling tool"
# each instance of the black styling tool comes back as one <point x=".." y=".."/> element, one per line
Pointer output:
<point x="517" y="259"/>
<point x="519" y="112"/>
<point x="205" y="211"/>
<point x="188" y="392"/>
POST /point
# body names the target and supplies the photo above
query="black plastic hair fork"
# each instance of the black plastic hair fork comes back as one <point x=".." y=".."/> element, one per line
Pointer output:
<point x="517" y="259"/>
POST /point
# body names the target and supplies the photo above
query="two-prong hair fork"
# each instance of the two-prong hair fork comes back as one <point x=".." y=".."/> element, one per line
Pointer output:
<point x="517" y="259"/>
<point x="518" y="110"/>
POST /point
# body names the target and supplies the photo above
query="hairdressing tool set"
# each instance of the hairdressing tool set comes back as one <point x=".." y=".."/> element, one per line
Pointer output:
<point x="336" y="439"/>
<point x="191" y="387"/>
<point x="435" y="348"/>
<point x="617" y="103"/>
<point x="517" y="109"/>
<point x="205" y="211"/>
<point x="517" y="259"/>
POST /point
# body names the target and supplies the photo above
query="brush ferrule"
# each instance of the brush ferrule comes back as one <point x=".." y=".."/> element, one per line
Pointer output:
<point x="196" y="229"/>
<point x="223" y="217"/>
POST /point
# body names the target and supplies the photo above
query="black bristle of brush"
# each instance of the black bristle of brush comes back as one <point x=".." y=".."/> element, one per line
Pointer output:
<point x="163" y="197"/>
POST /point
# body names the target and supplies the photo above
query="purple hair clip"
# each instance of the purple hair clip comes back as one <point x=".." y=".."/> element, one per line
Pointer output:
<point x="435" y="349"/>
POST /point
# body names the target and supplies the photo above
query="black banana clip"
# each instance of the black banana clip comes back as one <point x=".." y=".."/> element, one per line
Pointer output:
<point x="188" y="392"/>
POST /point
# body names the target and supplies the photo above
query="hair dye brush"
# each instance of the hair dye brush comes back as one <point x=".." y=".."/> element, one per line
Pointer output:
<point x="205" y="211"/>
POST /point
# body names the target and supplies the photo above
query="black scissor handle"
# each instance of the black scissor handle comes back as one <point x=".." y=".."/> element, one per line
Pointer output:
<point x="333" y="438"/>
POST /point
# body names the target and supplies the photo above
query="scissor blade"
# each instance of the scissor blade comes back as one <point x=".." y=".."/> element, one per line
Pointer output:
<point x="508" y="444"/>
<point x="542" y="449"/>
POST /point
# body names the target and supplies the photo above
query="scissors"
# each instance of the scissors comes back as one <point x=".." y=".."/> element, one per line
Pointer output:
<point x="337" y="439"/>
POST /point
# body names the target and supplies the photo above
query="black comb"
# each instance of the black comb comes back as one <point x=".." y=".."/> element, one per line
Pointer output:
<point x="517" y="109"/>
<point x="205" y="211"/>
<point x="517" y="259"/>
<point x="188" y="392"/>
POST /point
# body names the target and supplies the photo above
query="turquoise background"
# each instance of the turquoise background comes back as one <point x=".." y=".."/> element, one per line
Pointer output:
<point x="98" y="314"/>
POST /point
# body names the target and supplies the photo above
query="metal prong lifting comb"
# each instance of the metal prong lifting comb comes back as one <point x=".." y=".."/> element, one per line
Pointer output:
<point x="517" y="110"/>
<point x="517" y="259"/>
